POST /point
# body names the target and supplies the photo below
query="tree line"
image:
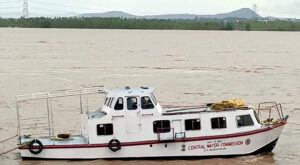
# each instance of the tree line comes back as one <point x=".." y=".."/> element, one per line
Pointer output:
<point x="123" y="23"/>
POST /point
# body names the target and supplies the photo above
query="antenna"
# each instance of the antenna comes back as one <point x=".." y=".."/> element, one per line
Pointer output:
<point x="25" y="9"/>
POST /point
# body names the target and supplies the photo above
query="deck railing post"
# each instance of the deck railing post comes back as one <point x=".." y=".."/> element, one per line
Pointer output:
<point x="48" y="116"/>
<point x="80" y="97"/>
<point x="258" y="111"/>
<point x="87" y="105"/>
<point x="51" y="117"/>
<point x="278" y="111"/>
<point x="281" y="111"/>
<point x="18" y="122"/>
<point x="269" y="116"/>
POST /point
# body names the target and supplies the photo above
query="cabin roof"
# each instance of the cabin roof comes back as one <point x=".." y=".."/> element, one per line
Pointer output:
<point x="202" y="109"/>
<point x="127" y="91"/>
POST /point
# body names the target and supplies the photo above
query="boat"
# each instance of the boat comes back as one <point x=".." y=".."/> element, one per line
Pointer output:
<point x="131" y="123"/>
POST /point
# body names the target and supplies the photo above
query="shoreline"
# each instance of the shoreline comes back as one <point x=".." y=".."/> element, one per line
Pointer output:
<point x="151" y="24"/>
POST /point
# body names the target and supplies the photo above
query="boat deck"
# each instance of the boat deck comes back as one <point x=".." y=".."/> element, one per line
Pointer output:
<point x="50" y="141"/>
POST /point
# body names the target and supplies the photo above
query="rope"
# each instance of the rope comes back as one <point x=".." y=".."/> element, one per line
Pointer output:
<point x="8" y="139"/>
<point x="9" y="150"/>
<point x="293" y="123"/>
<point x="3" y="141"/>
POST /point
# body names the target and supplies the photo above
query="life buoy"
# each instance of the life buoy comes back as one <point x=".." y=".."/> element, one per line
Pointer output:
<point x="114" y="145"/>
<point x="35" y="149"/>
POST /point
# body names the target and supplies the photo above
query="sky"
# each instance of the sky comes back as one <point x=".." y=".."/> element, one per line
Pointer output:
<point x="276" y="8"/>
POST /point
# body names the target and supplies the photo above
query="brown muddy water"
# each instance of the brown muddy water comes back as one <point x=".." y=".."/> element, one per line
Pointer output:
<point x="186" y="68"/>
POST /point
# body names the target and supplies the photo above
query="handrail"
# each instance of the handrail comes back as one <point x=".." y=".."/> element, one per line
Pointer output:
<point x="61" y="93"/>
<point x="166" y="128"/>
<point x="269" y="108"/>
<point x="30" y="118"/>
<point x="179" y="133"/>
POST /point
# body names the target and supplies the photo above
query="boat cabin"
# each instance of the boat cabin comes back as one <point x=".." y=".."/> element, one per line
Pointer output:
<point x="134" y="114"/>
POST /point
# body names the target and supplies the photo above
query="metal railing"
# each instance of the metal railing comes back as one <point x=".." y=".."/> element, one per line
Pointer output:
<point x="174" y="135"/>
<point x="60" y="93"/>
<point x="182" y="137"/>
<point x="165" y="130"/>
<point x="46" y="121"/>
<point x="270" y="106"/>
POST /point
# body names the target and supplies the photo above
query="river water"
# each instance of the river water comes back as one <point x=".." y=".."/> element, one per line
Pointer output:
<point x="185" y="67"/>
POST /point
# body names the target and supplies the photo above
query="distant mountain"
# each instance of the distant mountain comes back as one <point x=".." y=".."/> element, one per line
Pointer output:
<point x="244" y="13"/>
<point x="241" y="13"/>
<point x="270" y="18"/>
<point x="110" y="14"/>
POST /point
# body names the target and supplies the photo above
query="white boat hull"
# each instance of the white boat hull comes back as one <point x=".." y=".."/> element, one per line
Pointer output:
<point x="262" y="140"/>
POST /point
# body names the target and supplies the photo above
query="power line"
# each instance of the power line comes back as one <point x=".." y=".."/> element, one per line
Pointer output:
<point x="47" y="9"/>
<point x="8" y="8"/>
<point x="9" y="13"/>
<point x="45" y="6"/>
<point x="64" y="5"/>
<point x="10" y="1"/>
<point x="5" y="8"/>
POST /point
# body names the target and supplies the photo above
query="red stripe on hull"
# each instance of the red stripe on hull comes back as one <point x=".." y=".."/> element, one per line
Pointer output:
<point x="157" y="141"/>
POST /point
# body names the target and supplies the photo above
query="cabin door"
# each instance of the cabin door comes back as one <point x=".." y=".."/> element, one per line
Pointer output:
<point x="133" y="114"/>
<point x="177" y="126"/>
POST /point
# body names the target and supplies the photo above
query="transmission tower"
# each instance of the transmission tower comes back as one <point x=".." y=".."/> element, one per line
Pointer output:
<point x="254" y="8"/>
<point x="25" y="9"/>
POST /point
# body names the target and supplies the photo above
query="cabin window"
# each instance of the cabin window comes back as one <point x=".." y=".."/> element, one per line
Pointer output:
<point x="161" y="126"/>
<point x="153" y="98"/>
<point x="105" y="129"/>
<point x="244" y="120"/>
<point x="192" y="124"/>
<point x="147" y="103"/>
<point x="119" y="104"/>
<point x="218" y="122"/>
<point x="131" y="103"/>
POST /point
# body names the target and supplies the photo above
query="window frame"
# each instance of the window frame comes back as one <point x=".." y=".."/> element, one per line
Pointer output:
<point x="219" y="124"/>
<point x="192" y="124"/>
<point x="117" y="102"/>
<point x="155" y="130"/>
<point x="256" y="115"/>
<point x="153" y="98"/>
<point x="137" y="101"/>
<point x="98" y="125"/>
<point x="150" y="101"/>
<point x="244" y="121"/>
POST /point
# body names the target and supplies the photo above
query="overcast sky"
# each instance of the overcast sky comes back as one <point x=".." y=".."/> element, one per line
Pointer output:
<point x="277" y="8"/>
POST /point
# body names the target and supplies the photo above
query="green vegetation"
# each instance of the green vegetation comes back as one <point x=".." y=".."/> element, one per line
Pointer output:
<point x="120" y="23"/>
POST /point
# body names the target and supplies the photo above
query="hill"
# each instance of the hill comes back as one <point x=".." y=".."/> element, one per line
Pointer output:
<point x="244" y="13"/>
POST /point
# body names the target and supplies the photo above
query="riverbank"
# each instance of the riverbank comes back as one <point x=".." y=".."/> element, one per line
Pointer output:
<point x="119" y="23"/>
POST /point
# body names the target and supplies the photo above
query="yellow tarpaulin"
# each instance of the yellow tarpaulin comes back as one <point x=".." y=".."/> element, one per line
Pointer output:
<point x="233" y="103"/>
